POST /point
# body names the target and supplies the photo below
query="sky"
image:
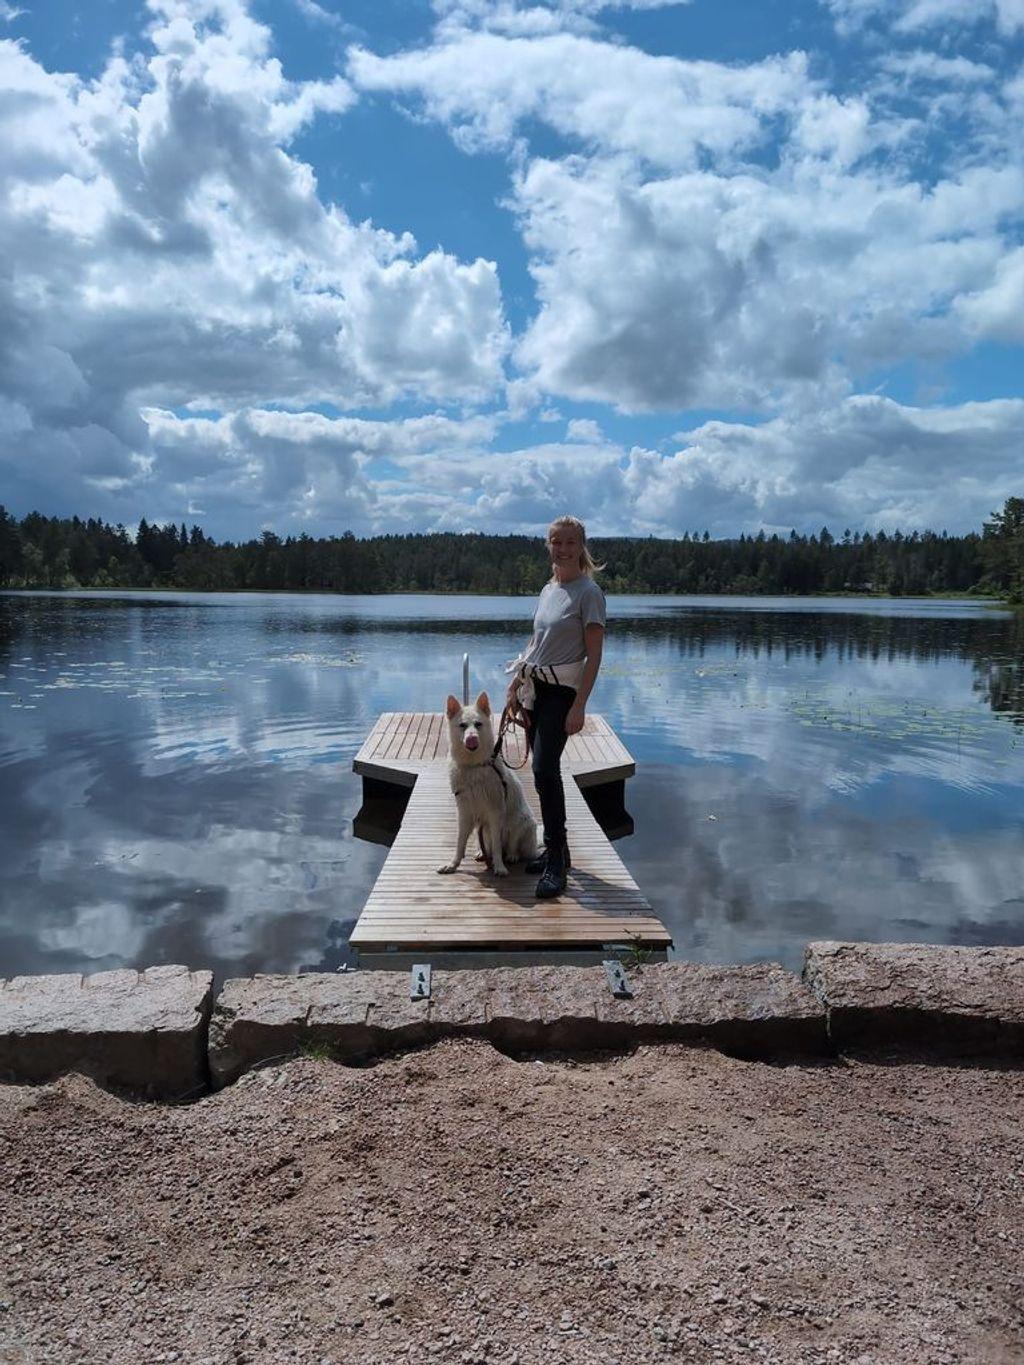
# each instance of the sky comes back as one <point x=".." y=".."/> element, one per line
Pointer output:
<point x="411" y="265"/>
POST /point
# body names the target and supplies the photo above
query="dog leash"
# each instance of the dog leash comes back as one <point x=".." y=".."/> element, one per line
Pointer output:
<point x="513" y="717"/>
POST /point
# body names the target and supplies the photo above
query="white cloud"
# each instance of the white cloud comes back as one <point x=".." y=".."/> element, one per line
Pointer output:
<point x="701" y="235"/>
<point x="583" y="429"/>
<point x="313" y="471"/>
<point x="522" y="490"/>
<point x="922" y="65"/>
<point x="659" y="109"/>
<point x="702" y="290"/>
<point x="998" y="310"/>
<point x="725" y="235"/>
<point x="913" y="15"/>
<point x="318" y="14"/>
<point x="864" y="462"/>
<point x="534" y="18"/>
<point x="326" y="474"/>
<point x="163" y="247"/>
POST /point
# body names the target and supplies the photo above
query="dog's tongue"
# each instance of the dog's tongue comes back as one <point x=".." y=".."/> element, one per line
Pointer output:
<point x="472" y="741"/>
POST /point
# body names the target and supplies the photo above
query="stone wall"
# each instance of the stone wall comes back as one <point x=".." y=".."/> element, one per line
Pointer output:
<point x="140" y="1031"/>
<point x="161" y="1033"/>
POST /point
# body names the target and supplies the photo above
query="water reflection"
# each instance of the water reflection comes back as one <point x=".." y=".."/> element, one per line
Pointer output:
<point x="753" y="868"/>
<point x="177" y="779"/>
<point x="1001" y="682"/>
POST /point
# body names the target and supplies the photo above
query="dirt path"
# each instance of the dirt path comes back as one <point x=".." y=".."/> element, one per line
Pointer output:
<point x="455" y="1205"/>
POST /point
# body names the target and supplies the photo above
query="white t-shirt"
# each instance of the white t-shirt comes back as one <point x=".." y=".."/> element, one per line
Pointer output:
<point x="563" y="611"/>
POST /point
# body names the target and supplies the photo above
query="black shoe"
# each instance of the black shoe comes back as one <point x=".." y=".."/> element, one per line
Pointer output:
<point x="552" y="883"/>
<point x="536" y="866"/>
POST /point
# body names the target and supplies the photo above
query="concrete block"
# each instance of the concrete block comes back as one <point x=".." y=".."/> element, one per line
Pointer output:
<point x="354" y="1014"/>
<point x="757" y="1009"/>
<point x="144" y="1031"/>
<point x="536" y="1008"/>
<point x="391" y="1019"/>
<point x="950" y="999"/>
<point x="459" y="1000"/>
<point x="642" y="1013"/>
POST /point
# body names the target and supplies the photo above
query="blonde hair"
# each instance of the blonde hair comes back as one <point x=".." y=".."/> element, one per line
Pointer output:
<point x="588" y="565"/>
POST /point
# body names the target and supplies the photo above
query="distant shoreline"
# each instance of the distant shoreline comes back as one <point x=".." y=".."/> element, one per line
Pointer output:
<point x="983" y="599"/>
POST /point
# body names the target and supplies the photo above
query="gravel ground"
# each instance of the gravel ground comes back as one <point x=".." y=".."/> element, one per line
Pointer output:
<point x="457" y="1205"/>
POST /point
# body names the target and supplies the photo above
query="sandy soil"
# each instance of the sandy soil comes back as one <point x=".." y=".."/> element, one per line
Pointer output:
<point x="457" y="1205"/>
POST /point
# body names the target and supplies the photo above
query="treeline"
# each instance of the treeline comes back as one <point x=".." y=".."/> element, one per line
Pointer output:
<point x="56" y="552"/>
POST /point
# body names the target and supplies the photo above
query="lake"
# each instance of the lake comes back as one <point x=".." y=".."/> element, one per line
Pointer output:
<point x="177" y="785"/>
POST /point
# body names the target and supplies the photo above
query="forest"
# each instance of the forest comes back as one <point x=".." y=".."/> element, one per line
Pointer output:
<point x="67" y="553"/>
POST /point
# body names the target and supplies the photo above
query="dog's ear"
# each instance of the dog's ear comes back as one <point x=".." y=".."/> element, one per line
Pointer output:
<point x="482" y="704"/>
<point x="452" y="706"/>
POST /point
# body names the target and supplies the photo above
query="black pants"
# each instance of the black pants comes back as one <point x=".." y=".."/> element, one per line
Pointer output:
<point x="550" y="708"/>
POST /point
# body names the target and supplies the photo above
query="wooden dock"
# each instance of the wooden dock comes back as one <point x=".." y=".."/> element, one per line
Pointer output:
<point x="413" y="907"/>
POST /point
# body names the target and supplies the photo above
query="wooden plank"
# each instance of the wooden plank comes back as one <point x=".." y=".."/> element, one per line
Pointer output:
<point x="411" y="904"/>
<point x="606" y="749"/>
<point x="432" y="856"/>
<point x="497" y="936"/>
<point x="596" y="745"/>
<point x="609" y="881"/>
<point x="608" y="878"/>
<point x="444" y="944"/>
<point x="439" y="737"/>
<point x="424" y="737"/>
<point x="384" y="739"/>
<point x="583" y="937"/>
<point x="459" y="899"/>
<point x="386" y="743"/>
<point x="401" y="733"/>
<point x="601" y="926"/>
<point x="599" y="777"/>
<point x="411" y="743"/>
<point x="423" y="881"/>
<point x="370" y="742"/>
<point x="529" y="915"/>
<point x="402" y="740"/>
<point x="592" y="882"/>
<point x="425" y="742"/>
<point x="521" y="922"/>
<point x="393" y="733"/>
<point x="584" y="746"/>
<point x="386" y="772"/>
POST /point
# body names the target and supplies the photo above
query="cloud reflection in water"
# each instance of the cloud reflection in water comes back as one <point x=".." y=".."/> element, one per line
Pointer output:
<point x="178" y="786"/>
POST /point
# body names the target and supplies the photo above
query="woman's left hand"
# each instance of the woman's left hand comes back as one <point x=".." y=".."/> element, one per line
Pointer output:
<point x="574" y="720"/>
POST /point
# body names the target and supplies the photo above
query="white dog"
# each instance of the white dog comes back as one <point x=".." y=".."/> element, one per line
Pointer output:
<point x="488" y="795"/>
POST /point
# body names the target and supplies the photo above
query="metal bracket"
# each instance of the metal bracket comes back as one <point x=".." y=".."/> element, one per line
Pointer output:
<point x="616" y="978"/>
<point x="420" y="985"/>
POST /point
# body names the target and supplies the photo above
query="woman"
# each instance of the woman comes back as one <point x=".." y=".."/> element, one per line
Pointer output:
<point x="554" y="678"/>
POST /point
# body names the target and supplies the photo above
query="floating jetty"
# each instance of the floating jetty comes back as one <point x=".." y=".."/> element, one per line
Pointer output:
<point x="413" y="908"/>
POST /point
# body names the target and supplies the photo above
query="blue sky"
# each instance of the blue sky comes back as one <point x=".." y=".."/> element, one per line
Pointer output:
<point x="466" y="264"/>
